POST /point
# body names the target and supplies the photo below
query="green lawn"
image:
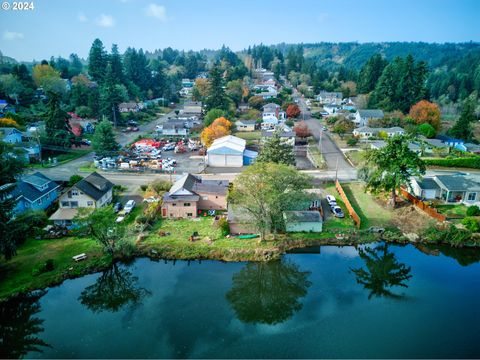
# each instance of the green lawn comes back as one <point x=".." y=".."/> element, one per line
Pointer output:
<point x="333" y="224"/>
<point x="356" y="157"/>
<point x="63" y="158"/>
<point x="455" y="211"/>
<point x="19" y="273"/>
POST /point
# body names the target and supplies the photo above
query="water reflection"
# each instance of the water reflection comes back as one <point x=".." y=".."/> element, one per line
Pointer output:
<point x="382" y="272"/>
<point x="268" y="293"/>
<point x="115" y="288"/>
<point x="19" y="327"/>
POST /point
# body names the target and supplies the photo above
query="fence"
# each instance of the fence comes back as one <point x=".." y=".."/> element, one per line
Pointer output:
<point x="351" y="210"/>
<point x="432" y="212"/>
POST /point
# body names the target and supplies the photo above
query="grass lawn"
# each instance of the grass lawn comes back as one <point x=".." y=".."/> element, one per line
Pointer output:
<point x="356" y="157"/>
<point x="63" y="158"/>
<point x="20" y="273"/>
<point x="333" y="224"/>
<point x="455" y="211"/>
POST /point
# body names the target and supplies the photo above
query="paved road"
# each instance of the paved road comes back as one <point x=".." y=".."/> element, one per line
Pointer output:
<point x="332" y="154"/>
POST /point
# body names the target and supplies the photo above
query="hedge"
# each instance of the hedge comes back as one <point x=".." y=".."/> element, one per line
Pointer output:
<point x="470" y="162"/>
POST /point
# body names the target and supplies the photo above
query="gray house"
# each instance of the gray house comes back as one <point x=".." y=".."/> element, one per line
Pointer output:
<point x="449" y="188"/>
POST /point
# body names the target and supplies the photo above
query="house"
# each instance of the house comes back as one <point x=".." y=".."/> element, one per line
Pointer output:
<point x="472" y="148"/>
<point x="127" y="107"/>
<point x="10" y="135"/>
<point x="229" y="151"/>
<point x="246" y="125"/>
<point x="287" y="137"/>
<point x="365" y="132"/>
<point x="191" y="194"/>
<point x="6" y="108"/>
<point x="268" y="75"/>
<point x="185" y="91"/>
<point x="432" y="143"/>
<point x="240" y="221"/>
<point x="462" y="188"/>
<point x="452" y="142"/>
<point x="173" y="128"/>
<point x="326" y="97"/>
<point x="271" y="109"/>
<point x="192" y="108"/>
<point x="379" y="144"/>
<point x="269" y="122"/>
<point x="265" y="95"/>
<point x="187" y="83"/>
<point x="303" y="221"/>
<point x="331" y="109"/>
<point x="34" y="192"/>
<point x="362" y="117"/>
<point x="93" y="192"/>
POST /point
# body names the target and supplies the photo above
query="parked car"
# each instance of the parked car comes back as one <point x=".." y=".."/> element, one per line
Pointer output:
<point x="120" y="219"/>
<point x="129" y="206"/>
<point x="331" y="200"/>
<point x="117" y="207"/>
<point x="324" y="128"/>
<point x="168" y="147"/>
<point x="337" y="211"/>
<point x="132" y="123"/>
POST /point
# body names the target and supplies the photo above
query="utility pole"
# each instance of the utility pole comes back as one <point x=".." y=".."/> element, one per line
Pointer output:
<point x="114" y="116"/>
<point x="336" y="171"/>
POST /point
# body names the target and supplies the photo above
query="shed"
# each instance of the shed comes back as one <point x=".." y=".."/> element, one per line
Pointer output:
<point x="226" y="151"/>
<point x="303" y="221"/>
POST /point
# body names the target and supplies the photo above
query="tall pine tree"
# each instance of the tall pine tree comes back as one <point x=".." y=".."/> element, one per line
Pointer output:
<point x="217" y="99"/>
<point x="97" y="61"/>
<point x="57" y="125"/>
<point x="104" y="142"/>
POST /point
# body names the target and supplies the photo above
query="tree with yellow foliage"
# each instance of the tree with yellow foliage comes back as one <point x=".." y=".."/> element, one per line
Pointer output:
<point x="219" y="128"/>
<point x="7" y="122"/>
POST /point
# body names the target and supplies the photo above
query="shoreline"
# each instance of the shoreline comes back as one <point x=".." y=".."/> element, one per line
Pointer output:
<point x="258" y="254"/>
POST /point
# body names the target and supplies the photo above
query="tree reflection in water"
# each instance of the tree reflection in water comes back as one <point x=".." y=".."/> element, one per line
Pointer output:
<point x="268" y="292"/>
<point x="115" y="288"/>
<point x="19" y="327"/>
<point x="382" y="272"/>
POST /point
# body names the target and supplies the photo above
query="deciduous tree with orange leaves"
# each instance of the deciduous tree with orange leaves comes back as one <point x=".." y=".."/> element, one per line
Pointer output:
<point x="7" y="122"/>
<point x="219" y="128"/>
<point x="293" y="111"/>
<point x="425" y="112"/>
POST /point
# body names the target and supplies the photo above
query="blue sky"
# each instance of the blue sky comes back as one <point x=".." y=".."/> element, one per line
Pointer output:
<point x="60" y="27"/>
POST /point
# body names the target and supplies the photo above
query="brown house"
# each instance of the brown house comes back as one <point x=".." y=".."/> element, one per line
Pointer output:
<point x="190" y="193"/>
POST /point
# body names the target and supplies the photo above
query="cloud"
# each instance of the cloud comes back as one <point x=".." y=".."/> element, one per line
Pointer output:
<point x="12" y="35"/>
<point x="322" y="17"/>
<point x="157" y="11"/>
<point x="106" y="21"/>
<point x="82" y="17"/>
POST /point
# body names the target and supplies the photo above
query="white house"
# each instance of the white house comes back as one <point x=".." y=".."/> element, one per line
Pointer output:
<point x="246" y="125"/>
<point x="362" y="117"/>
<point x="366" y="132"/>
<point x="326" y="97"/>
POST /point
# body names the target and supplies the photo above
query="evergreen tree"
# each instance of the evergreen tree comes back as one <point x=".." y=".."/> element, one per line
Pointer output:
<point x="277" y="151"/>
<point x="117" y="66"/>
<point x="463" y="127"/>
<point x="10" y="169"/>
<point x="370" y="73"/>
<point x="97" y="61"/>
<point x="103" y="141"/>
<point x="217" y="99"/>
<point x="57" y="126"/>
<point x="110" y="97"/>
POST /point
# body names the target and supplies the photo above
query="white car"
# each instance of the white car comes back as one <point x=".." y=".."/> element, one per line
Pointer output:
<point x="120" y="219"/>
<point x="331" y="200"/>
<point x="129" y="206"/>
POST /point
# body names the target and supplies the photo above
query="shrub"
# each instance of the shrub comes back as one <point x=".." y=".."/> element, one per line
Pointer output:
<point x="141" y="219"/>
<point x="451" y="235"/>
<point x="352" y="141"/>
<point x="74" y="179"/>
<point x="427" y="130"/>
<point x="471" y="224"/>
<point x="160" y="185"/>
<point x="465" y="162"/>
<point x="222" y="224"/>
<point x="49" y="265"/>
<point x="473" y="211"/>
<point x="143" y="187"/>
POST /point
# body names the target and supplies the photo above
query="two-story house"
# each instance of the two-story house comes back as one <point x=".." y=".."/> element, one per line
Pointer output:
<point x="34" y="192"/>
<point x="362" y="117"/>
<point x="94" y="191"/>
<point x="191" y="194"/>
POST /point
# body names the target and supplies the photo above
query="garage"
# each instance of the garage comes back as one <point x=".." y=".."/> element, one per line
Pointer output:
<point x="226" y="151"/>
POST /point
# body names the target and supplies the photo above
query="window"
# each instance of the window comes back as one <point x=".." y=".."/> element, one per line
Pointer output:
<point x="65" y="204"/>
<point x="74" y="192"/>
<point x="472" y="196"/>
<point x="205" y="198"/>
<point x="89" y="203"/>
<point x="174" y="204"/>
<point x="186" y="204"/>
<point x="74" y="204"/>
<point x="189" y="214"/>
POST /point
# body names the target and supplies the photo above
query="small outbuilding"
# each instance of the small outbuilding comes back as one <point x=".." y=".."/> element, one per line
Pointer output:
<point x="229" y="151"/>
<point x="303" y="221"/>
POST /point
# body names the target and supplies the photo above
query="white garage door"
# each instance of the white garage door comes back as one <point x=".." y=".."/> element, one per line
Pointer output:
<point x="234" y="161"/>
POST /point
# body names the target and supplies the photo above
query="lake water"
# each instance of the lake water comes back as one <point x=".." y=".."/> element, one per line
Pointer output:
<point x="334" y="302"/>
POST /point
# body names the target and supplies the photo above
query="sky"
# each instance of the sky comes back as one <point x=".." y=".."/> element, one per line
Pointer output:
<point x="61" y="27"/>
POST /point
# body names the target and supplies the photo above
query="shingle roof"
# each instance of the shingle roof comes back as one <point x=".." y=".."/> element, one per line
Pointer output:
<point x="427" y="183"/>
<point x="302" y="216"/>
<point x="227" y="145"/>
<point x="29" y="187"/>
<point x="247" y="122"/>
<point x="195" y="184"/>
<point x="94" y="185"/>
<point x="458" y="182"/>
<point x="371" y="113"/>
<point x="284" y="134"/>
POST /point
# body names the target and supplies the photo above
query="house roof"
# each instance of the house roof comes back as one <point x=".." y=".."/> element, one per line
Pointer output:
<point x="284" y="134"/>
<point x="30" y="187"/>
<point x="94" y="185"/>
<point x="271" y="106"/>
<point x="302" y="216"/>
<point x="5" y="131"/>
<point x="194" y="185"/>
<point x="446" y="139"/>
<point x="434" y="142"/>
<point x="171" y="198"/>
<point x="246" y="122"/>
<point x="458" y="182"/>
<point x="227" y="145"/>
<point x="128" y="105"/>
<point x="371" y="113"/>
<point x="64" y="214"/>
<point x="427" y="183"/>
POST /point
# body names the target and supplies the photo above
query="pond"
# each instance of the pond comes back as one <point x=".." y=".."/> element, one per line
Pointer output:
<point x="329" y="302"/>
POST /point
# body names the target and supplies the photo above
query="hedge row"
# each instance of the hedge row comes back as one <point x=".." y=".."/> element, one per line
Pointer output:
<point x="470" y="162"/>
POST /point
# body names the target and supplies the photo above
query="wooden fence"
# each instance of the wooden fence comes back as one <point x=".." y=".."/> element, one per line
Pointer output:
<point x="351" y="210"/>
<point x="432" y="212"/>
